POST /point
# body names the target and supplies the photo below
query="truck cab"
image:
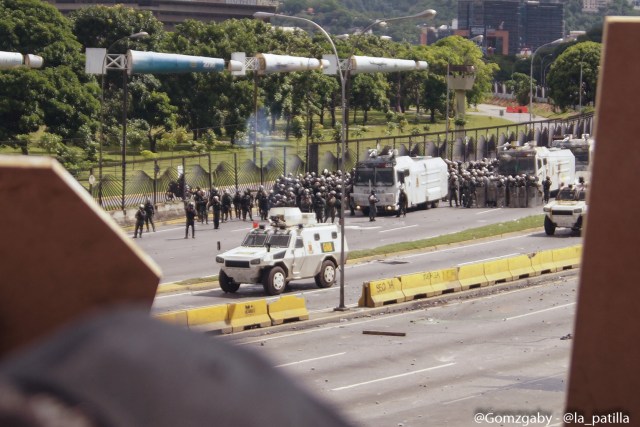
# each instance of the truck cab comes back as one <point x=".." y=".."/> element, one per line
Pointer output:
<point x="293" y="246"/>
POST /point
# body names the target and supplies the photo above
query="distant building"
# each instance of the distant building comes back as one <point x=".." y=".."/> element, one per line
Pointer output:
<point x="172" y="12"/>
<point x="511" y="26"/>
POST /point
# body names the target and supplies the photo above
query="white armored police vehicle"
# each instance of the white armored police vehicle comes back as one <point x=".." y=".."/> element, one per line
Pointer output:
<point x="568" y="210"/>
<point x="541" y="162"/>
<point x="293" y="247"/>
<point x="424" y="179"/>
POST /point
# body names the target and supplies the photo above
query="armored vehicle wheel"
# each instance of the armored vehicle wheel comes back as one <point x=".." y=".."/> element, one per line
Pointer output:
<point x="365" y="211"/>
<point x="226" y="284"/>
<point x="435" y="204"/>
<point x="549" y="227"/>
<point x="274" y="281"/>
<point x="327" y="275"/>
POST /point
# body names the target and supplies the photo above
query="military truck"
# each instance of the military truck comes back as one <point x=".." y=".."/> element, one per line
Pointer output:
<point x="293" y="246"/>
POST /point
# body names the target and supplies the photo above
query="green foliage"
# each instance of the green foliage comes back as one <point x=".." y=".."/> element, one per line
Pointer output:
<point x="149" y="155"/>
<point x="564" y="75"/>
<point x="520" y="85"/>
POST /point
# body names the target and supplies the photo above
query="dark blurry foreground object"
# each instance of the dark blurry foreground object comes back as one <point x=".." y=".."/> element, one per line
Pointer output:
<point x="125" y="369"/>
<point x="62" y="256"/>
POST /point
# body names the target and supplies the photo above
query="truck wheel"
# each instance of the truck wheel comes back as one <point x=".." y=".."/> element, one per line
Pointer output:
<point x="435" y="204"/>
<point x="327" y="275"/>
<point x="549" y="227"/>
<point x="226" y="284"/>
<point x="274" y="281"/>
<point x="365" y="211"/>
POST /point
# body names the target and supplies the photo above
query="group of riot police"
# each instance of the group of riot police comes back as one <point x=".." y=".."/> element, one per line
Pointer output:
<point x="471" y="184"/>
<point x="319" y="193"/>
<point x="479" y="184"/>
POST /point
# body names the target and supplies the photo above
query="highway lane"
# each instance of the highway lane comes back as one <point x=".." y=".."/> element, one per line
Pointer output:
<point x="181" y="258"/>
<point x="355" y="274"/>
<point x="502" y="353"/>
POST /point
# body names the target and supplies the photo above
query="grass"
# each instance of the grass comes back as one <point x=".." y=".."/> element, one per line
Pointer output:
<point x="527" y="223"/>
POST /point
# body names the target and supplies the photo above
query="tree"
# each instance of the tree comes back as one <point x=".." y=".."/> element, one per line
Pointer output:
<point x="57" y="96"/>
<point x="564" y="75"/>
<point x="520" y="86"/>
<point x="369" y="91"/>
<point x="154" y="107"/>
<point x="21" y="110"/>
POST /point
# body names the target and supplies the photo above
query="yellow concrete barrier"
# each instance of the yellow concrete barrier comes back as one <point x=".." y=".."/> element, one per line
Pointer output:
<point x="497" y="271"/>
<point x="385" y="291"/>
<point x="542" y="262"/>
<point x="248" y="314"/>
<point x="289" y="307"/>
<point x="416" y="285"/>
<point x="520" y="267"/>
<point x="566" y="258"/>
<point x="214" y="316"/>
<point x="175" y="317"/>
<point x="365" y="297"/>
<point x="472" y="276"/>
<point x="445" y="281"/>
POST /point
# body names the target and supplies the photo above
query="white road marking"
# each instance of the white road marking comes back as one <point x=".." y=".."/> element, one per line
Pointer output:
<point x="399" y="228"/>
<point x="392" y="377"/>
<point x="359" y="227"/>
<point x="489" y="259"/>
<point x="540" y="311"/>
<point x="311" y="360"/>
<point x="459" y="400"/>
<point x="490" y="210"/>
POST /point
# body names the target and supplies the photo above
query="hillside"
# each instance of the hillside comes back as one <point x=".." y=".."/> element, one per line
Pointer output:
<point x="343" y="16"/>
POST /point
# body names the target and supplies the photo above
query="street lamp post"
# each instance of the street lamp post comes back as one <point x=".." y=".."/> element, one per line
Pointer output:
<point x="533" y="56"/>
<point x="138" y="35"/>
<point x="342" y="72"/>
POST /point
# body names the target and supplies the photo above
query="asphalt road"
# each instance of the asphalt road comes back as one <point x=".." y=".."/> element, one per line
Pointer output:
<point x="325" y="300"/>
<point x="501" y="354"/>
<point x="181" y="258"/>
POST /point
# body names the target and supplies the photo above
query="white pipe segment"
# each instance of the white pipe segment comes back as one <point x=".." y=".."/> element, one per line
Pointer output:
<point x="368" y="64"/>
<point x="270" y="63"/>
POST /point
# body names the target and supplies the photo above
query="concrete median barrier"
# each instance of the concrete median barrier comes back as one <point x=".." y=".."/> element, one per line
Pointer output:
<point x="520" y="267"/>
<point x="248" y="314"/>
<point x="542" y="262"/>
<point x="416" y="285"/>
<point x="567" y="258"/>
<point x="215" y="316"/>
<point x="497" y="271"/>
<point x="385" y="291"/>
<point x="289" y="307"/>
<point x="472" y="276"/>
<point x="445" y="281"/>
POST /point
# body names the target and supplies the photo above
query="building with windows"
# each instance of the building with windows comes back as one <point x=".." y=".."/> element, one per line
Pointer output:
<point x="172" y="12"/>
<point x="511" y="26"/>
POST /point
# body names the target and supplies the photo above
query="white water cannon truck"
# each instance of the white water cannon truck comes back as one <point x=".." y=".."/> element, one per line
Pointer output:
<point x="424" y="179"/>
<point x="541" y="162"/>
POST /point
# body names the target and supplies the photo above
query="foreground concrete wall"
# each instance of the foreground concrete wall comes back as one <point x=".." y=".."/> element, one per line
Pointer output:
<point x="605" y="368"/>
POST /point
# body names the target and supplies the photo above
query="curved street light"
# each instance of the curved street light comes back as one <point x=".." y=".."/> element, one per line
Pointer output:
<point x="533" y="56"/>
<point x="428" y="13"/>
<point x="138" y="35"/>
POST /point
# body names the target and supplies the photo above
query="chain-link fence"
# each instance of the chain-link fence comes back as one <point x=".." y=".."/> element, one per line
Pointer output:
<point x="171" y="178"/>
